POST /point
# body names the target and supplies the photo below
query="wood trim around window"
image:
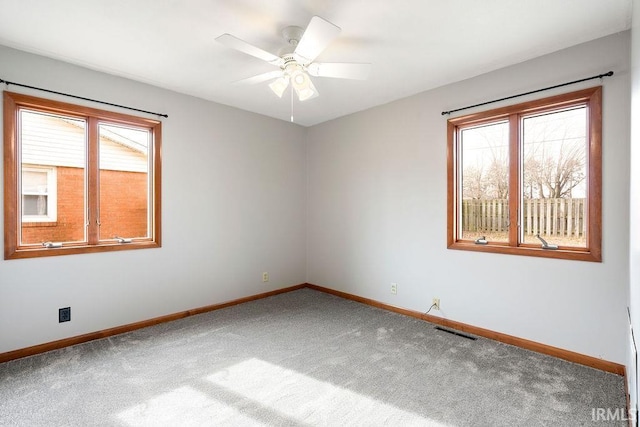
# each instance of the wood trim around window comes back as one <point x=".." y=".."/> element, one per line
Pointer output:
<point x="592" y="98"/>
<point x="12" y="103"/>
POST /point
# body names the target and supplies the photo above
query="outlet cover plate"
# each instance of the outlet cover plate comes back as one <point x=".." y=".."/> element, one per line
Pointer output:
<point x="64" y="314"/>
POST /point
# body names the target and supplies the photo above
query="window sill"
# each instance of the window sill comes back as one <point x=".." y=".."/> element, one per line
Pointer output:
<point x="568" y="254"/>
<point x="70" y="249"/>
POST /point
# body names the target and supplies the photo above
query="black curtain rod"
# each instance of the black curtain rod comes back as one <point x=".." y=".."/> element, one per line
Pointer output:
<point x="83" y="98"/>
<point x="599" y="76"/>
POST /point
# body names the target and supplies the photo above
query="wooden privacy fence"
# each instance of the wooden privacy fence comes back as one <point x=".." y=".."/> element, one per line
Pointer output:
<point x="549" y="217"/>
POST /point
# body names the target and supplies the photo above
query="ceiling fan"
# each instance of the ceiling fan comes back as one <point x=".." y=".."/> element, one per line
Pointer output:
<point x="296" y="60"/>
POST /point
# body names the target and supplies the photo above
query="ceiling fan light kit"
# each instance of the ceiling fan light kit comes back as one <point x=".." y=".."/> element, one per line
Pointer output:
<point x="296" y="60"/>
<point x="295" y="74"/>
<point x="279" y="85"/>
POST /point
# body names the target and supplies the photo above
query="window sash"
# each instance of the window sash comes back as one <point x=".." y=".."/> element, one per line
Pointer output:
<point x="134" y="139"/>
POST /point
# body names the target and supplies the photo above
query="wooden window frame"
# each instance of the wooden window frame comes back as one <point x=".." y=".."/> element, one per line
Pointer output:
<point x="12" y="103"/>
<point x="592" y="99"/>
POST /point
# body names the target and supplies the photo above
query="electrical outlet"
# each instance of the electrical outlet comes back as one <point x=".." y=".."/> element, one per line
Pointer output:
<point x="436" y="303"/>
<point x="394" y="288"/>
<point x="64" y="314"/>
<point x="265" y="277"/>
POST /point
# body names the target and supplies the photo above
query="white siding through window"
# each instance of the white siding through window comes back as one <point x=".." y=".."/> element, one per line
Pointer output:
<point x="53" y="141"/>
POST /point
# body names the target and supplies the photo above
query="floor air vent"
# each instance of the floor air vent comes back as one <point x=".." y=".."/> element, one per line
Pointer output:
<point x="460" y="334"/>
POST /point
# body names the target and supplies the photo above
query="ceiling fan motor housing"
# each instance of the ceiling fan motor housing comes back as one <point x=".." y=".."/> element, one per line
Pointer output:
<point x="293" y="69"/>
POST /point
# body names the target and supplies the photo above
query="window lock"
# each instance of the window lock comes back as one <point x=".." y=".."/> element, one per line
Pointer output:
<point x="52" y="244"/>
<point x="481" y="241"/>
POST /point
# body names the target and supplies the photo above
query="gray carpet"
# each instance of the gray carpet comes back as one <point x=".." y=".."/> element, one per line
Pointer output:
<point x="301" y="358"/>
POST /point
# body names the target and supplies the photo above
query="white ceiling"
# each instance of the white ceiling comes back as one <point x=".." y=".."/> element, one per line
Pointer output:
<point x="413" y="45"/>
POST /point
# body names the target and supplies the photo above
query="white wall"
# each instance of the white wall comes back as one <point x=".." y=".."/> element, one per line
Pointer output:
<point x="233" y="188"/>
<point x="634" y="250"/>
<point x="377" y="213"/>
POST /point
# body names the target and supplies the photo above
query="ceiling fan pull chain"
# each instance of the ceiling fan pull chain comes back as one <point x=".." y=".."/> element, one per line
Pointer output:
<point x="291" y="90"/>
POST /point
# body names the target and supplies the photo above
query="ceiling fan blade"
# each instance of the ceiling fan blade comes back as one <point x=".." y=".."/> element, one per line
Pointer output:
<point x="260" y="78"/>
<point x="235" y="43"/>
<point x="341" y="70"/>
<point x="316" y="38"/>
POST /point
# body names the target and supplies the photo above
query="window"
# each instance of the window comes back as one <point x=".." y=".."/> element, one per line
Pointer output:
<point x="526" y="179"/>
<point x="38" y="194"/>
<point x="78" y="179"/>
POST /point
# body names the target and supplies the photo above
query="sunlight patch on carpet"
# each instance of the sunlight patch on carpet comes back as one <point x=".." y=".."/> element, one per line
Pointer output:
<point x="183" y="406"/>
<point x="309" y="400"/>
